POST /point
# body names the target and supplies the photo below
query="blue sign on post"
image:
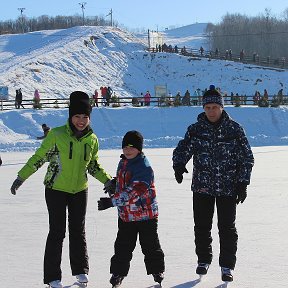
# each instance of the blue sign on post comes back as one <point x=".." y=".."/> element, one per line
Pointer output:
<point x="3" y="93"/>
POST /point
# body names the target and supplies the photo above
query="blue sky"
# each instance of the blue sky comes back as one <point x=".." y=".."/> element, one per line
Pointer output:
<point x="145" y="14"/>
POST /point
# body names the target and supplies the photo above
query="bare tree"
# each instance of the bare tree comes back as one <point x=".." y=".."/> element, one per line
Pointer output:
<point x="45" y="22"/>
<point x="264" y="35"/>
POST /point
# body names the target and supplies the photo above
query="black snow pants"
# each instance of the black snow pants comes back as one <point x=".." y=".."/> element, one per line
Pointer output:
<point x="125" y="244"/>
<point x="203" y="209"/>
<point x="57" y="204"/>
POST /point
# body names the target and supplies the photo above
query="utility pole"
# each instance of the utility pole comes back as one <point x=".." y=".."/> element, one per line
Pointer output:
<point x="149" y="40"/>
<point x="22" y="18"/>
<point x="111" y="18"/>
<point x="82" y="7"/>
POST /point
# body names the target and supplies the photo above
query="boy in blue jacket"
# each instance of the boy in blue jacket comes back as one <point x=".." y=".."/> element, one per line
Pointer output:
<point x="135" y="198"/>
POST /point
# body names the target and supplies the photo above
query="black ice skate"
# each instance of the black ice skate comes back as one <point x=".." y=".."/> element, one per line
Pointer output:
<point x="158" y="277"/>
<point x="202" y="269"/>
<point x="116" y="280"/>
<point x="226" y="274"/>
<point x="82" y="279"/>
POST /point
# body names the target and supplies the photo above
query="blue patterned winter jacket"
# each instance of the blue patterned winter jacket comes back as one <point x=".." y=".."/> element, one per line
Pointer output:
<point x="221" y="154"/>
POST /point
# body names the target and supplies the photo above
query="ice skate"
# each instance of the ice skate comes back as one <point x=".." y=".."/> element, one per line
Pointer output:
<point x="202" y="269"/>
<point x="226" y="274"/>
<point x="116" y="280"/>
<point x="82" y="279"/>
<point x="158" y="277"/>
<point x="55" y="284"/>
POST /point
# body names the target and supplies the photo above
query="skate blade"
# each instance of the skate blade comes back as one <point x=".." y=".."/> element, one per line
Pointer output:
<point x="82" y="284"/>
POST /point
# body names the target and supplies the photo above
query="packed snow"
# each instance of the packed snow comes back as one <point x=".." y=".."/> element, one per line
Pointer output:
<point x="261" y="222"/>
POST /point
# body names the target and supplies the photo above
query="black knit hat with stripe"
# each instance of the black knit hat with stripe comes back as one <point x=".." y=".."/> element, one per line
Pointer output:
<point x="213" y="96"/>
<point x="133" y="139"/>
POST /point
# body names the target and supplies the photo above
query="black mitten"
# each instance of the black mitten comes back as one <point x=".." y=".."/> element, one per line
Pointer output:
<point x="110" y="187"/>
<point x="179" y="170"/>
<point x="16" y="184"/>
<point x="241" y="192"/>
<point x="104" y="203"/>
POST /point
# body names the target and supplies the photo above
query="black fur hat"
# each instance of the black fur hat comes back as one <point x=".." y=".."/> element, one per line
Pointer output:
<point x="79" y="104"/>
<point x="133" y="139"/>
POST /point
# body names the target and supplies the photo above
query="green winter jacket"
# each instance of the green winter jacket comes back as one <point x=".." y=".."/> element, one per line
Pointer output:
<point x="70" y="160"/>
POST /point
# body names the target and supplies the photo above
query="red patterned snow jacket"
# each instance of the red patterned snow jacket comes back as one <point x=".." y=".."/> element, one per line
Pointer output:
<point x="135" y="195"/>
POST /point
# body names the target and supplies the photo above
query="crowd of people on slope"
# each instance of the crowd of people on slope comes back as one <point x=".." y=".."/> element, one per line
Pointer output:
<point x="106" y="97"/>
<point x="235" y="99"/>
<point x="225" y="55"/>
<point x="221" y="174"/>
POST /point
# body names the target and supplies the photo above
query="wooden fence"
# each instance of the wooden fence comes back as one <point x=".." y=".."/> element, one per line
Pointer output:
<point x="163" y="101"/>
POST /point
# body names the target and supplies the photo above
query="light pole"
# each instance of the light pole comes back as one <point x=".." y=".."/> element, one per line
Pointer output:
<point x="22" y="18"/>
<point x="82" y="7"/>
<point x="111" y="17"/>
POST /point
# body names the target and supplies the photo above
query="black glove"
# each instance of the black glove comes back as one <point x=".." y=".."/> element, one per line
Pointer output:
<point x="104" y="203"/>
<point x="16" y="184"/>
<point x="241" y="192"/>
<point x="0" y="161"/>
<point x="110" y="187"/>
<point x="179" y="170"/>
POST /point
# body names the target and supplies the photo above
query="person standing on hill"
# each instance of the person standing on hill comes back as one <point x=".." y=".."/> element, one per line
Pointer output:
<point x="72" y="152"/>
<point x="95" y="98"/>
<point x="36" y="100"/>
<point x="108" y="96"/>
<point x="147" y="98"/>
<point x="222" y="165"/>
<point x="186" y="100"/>
<point x="19" y="99"/>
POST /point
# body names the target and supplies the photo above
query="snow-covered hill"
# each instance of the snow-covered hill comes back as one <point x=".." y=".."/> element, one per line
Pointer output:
<point x="58" y="62"/>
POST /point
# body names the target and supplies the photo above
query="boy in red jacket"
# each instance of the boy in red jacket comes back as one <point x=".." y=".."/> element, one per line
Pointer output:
<point x="135" y="198"/>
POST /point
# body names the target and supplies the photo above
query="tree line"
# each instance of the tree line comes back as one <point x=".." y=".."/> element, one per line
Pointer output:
<point x="265" y="35"/>
<point x="23" y="24"/>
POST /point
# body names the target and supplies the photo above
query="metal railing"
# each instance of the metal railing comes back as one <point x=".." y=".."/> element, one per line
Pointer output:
<point x="280" y="62"/>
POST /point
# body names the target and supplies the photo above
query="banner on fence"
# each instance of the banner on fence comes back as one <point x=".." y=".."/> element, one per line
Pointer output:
<point x="156" y="39"/>
<point x="161" y="90"/>
<point x="3" y="93"/>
